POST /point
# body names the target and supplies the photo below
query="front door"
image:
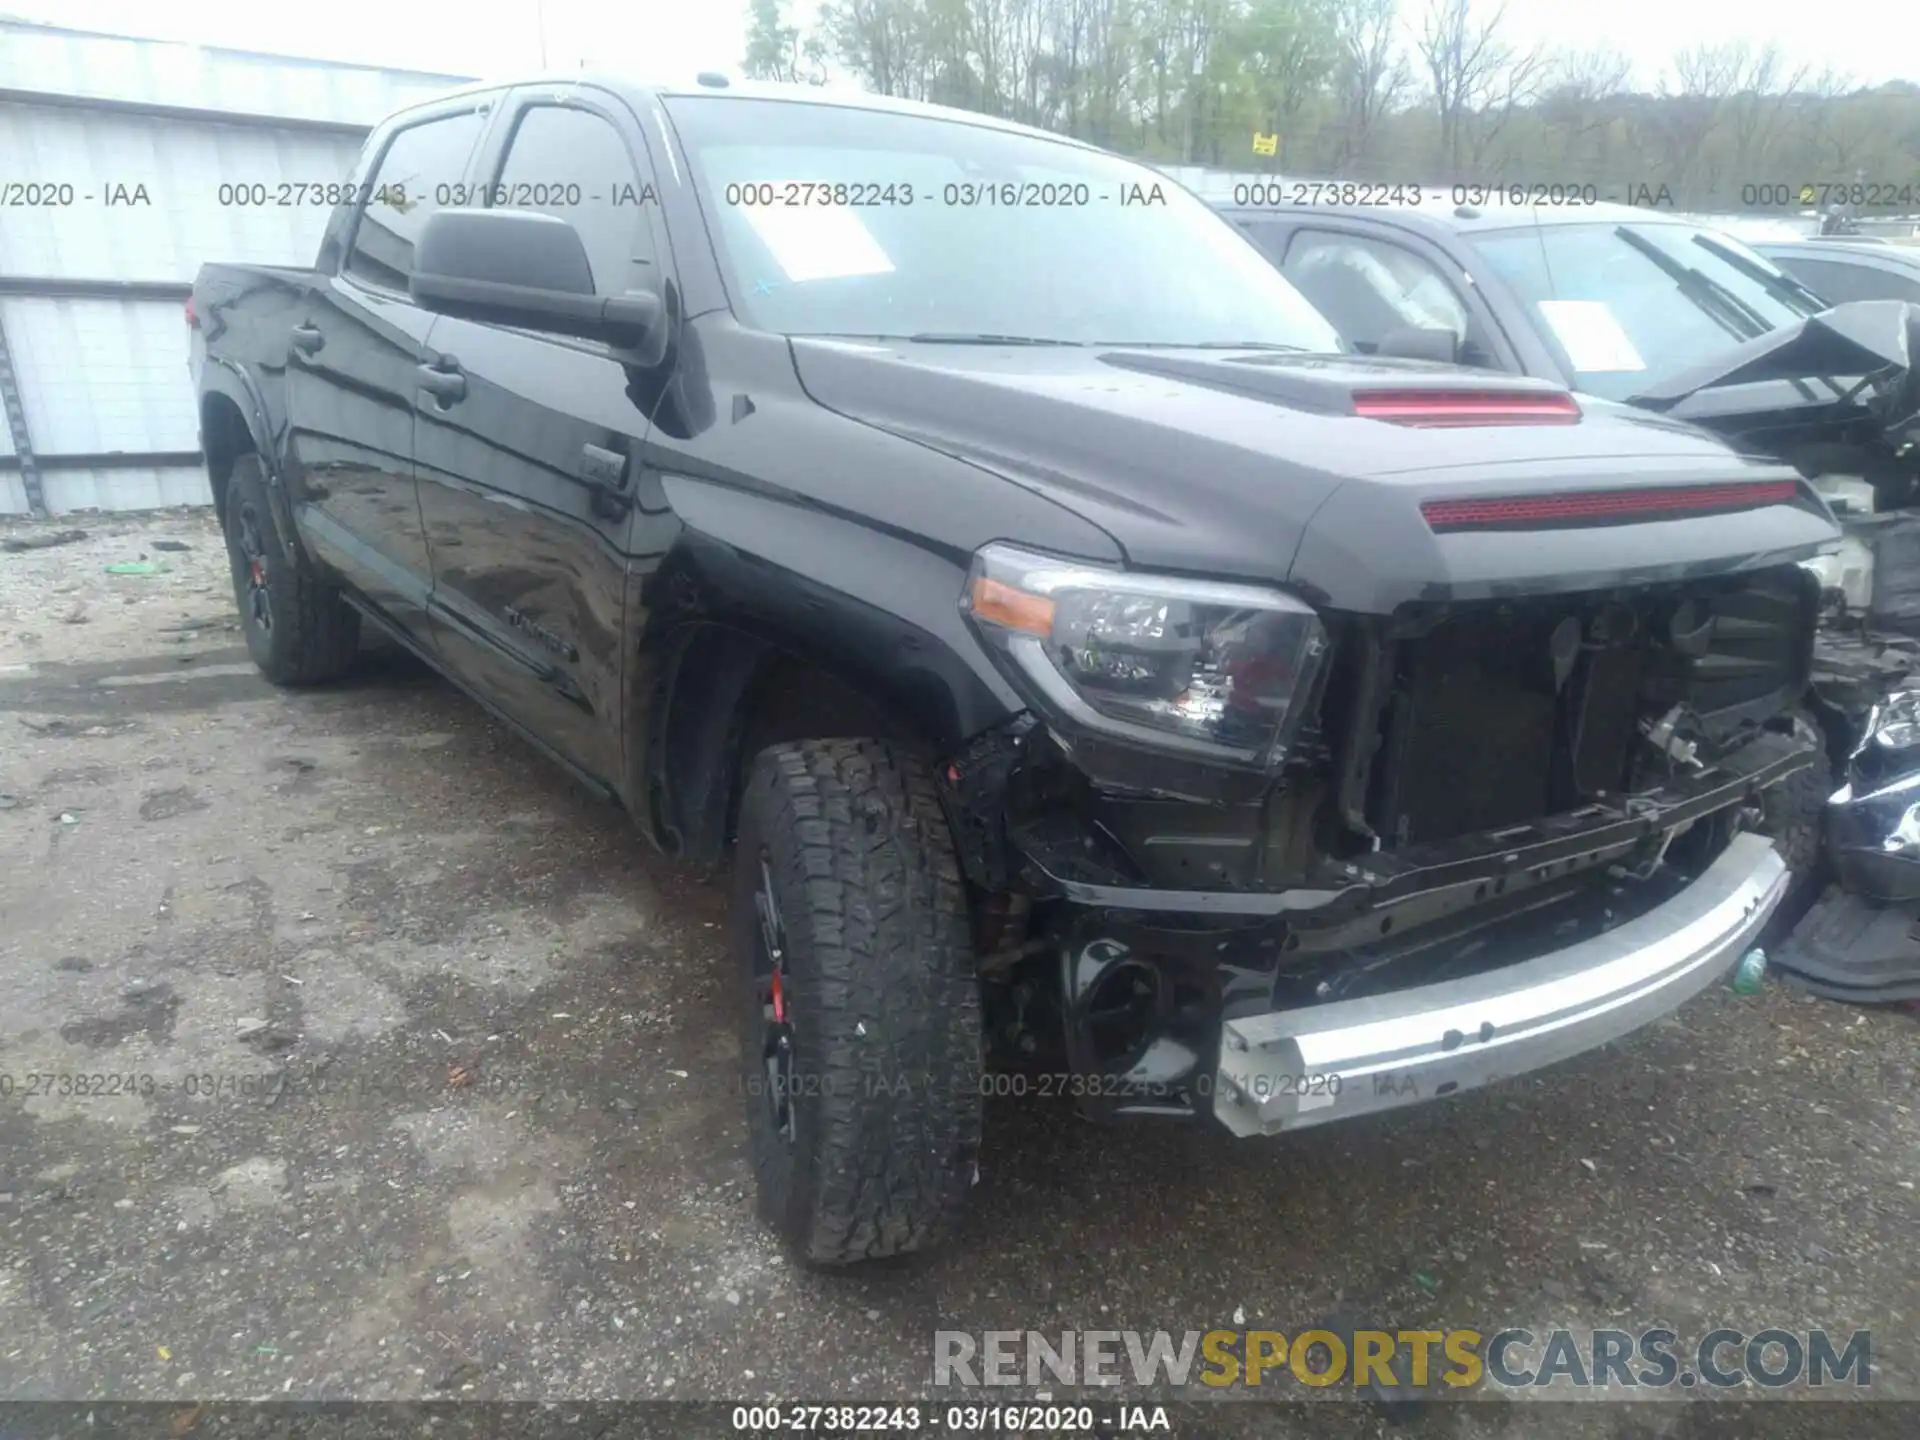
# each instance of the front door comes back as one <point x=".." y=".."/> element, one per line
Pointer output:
<point x="1370" y="286"/>
<point x="528" y="451"/>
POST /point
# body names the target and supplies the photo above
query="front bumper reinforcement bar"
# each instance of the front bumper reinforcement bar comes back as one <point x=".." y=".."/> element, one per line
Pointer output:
<point x="1412" y="1045"/>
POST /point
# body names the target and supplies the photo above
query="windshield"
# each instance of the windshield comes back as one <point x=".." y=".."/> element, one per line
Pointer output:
<point x="1629" y="304"/>
<point x="843" y="221"/>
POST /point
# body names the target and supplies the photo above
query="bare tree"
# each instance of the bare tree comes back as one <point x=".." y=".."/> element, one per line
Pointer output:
<point x="1192" y="78"/>
<point x="1509" y="89"/>
<point x="1464" y="54"/>
<point x="1581" y="101"/>
<point x="1762" y="82"/>
<point x="1700" y="79"/>
<point x="1287" y="49"/>
<point x="878" y="40"/>
<point x="1478" y="79"/>
<point x="1370" y="75"/>
<point x="1840" y="122"/>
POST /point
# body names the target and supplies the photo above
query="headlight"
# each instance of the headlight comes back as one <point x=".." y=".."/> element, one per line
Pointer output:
<point x="1211" y="671"/>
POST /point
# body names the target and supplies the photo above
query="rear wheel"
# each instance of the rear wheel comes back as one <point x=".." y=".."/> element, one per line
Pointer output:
<point x="858" y="1002"/>
<point x="298" y="630"/>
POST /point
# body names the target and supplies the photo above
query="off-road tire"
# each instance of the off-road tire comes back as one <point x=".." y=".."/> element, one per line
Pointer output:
<point x="1793" y="816"/>
<point x="309" y="634"/>
<point x="882" y="994"/>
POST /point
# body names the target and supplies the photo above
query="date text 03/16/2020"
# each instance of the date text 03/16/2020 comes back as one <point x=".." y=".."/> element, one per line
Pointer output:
<point x="1010" y="1419"/>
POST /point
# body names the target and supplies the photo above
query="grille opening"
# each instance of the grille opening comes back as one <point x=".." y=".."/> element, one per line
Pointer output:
<point x="1487" y="727"/>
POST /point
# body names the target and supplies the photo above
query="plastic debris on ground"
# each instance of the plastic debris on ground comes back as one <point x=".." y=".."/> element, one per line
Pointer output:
<point x="19" y="544"/>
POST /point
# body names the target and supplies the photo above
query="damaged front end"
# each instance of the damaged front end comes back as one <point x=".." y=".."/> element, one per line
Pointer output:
<point x="1464" y="841"/>
<point x="1861" y="941"/>
<point x="1853" y="385"/>
<point x="1850" y="422"/>
<point x="1837" y="396"/>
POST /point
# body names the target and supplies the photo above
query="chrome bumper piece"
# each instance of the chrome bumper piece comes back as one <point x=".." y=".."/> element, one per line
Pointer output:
<point x="1278" y="1071"/>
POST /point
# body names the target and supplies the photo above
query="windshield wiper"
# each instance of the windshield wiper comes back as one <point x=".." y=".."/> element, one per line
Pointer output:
<point x="930" y="337"/>
<point x="1783" y="287"/>
<point x="1709" y="294"/>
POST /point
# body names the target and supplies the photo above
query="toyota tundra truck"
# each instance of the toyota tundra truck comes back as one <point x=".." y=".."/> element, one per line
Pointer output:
<point x="1089" y="667"/>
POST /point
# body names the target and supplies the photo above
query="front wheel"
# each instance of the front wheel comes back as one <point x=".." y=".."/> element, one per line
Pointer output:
<point x="858" y="1001"/>
<point x="1793" y="813"/>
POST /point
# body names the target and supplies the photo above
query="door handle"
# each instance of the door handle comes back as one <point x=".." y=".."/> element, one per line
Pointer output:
<point x="444" y="380"/>
<point x="307" y="339"/>
<point x="604" y="469"/>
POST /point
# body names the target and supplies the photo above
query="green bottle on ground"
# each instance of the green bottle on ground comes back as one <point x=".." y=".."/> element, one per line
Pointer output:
<point x="1751" y="971"/>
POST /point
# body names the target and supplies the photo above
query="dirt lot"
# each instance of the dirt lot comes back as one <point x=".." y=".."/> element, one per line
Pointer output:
<point x="428" y="1095"/>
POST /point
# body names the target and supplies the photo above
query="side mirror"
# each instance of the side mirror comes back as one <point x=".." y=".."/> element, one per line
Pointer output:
<point x="1418" y="343"/>
<point x="522" y="268"/>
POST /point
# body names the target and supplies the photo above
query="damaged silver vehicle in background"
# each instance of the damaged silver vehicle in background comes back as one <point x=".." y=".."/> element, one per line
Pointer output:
<point x="1838" y="396"/>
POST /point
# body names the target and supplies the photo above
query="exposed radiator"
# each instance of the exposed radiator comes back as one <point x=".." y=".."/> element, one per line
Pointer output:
<point x="1470" y="734"/>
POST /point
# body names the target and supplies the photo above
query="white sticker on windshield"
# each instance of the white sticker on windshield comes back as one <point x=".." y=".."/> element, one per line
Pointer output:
<point x="1592" y="338"/>
<point x="817" y="242"/>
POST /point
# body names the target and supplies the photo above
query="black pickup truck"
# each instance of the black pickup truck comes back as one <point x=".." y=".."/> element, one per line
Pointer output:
<point x="1103" y="682"/>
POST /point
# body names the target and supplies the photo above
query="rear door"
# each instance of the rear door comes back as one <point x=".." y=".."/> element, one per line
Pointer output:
<point x="353" y="368"/>
<point x="528" y="463"/>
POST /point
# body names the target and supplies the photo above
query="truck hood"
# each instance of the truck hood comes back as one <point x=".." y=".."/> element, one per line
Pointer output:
<point x="1256" y="465"/>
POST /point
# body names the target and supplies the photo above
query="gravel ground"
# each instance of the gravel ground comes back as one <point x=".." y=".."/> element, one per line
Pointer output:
<point x="432" y="1099"/>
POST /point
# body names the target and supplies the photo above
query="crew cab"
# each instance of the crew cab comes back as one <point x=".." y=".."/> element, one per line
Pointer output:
<point x="1091" y="667"/>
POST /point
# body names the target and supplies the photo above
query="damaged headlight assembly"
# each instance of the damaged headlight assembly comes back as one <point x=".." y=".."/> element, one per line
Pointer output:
<point x="1214" y="673"/>
<point x="1873" y="820"/>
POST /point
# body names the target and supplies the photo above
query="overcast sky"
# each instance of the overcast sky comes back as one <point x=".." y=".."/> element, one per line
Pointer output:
<point x="676" y="37"/>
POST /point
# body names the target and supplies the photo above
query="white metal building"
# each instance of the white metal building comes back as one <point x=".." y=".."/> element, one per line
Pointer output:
<point x="123" y="165"/>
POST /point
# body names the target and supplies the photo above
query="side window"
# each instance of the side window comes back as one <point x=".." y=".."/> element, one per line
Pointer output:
<point x="413" y="176"/>
<point x="1369" y="287"/>
<point x="574" y="164"/>
<point x="1837" y="284"/>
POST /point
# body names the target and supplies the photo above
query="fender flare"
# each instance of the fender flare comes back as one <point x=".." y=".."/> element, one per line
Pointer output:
<point x="231" y="381"/>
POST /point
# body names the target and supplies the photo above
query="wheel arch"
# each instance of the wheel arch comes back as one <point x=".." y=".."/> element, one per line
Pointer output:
<point x="224" y="437"/>
<point x="724" y="694"/>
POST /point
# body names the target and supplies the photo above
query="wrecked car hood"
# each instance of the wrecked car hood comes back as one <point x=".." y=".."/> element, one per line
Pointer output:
<point x="1858" y="356"/>
<point x="1255" y="464"/>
